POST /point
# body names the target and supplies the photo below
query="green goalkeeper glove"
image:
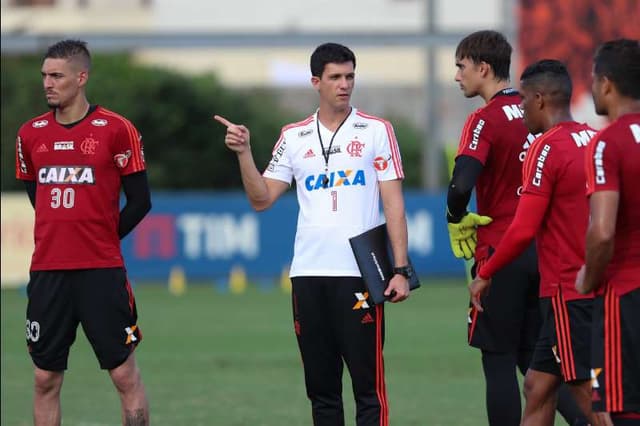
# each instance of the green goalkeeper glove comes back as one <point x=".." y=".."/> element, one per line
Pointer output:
<point x="463" y="234"/>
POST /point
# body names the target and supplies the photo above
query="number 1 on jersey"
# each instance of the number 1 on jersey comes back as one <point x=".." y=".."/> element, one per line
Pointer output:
<point x="334" y="201"/>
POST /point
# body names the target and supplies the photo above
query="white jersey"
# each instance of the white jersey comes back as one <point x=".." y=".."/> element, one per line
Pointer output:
<point x="364" y="151"/>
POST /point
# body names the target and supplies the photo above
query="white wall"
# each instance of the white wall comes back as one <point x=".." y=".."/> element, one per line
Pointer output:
<point x="251" y="16"/>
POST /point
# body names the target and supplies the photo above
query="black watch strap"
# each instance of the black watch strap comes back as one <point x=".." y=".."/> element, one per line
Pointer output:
<point x="405" y="271"/>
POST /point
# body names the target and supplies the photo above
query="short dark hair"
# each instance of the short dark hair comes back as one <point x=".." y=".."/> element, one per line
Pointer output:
<point x="619" y="61"/>
<point x="330" y="53"/>
<point x="75" y="50"/>
<point x="487" y="46"/>
<point x="551" y="77"/>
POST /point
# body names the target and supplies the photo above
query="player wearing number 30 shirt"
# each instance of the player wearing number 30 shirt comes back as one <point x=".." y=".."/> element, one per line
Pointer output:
<point x="74" y="161"/>
<point x="77" y="172"/>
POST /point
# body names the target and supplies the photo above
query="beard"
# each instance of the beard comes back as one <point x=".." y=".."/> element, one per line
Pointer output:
<point x="53" y="104"/>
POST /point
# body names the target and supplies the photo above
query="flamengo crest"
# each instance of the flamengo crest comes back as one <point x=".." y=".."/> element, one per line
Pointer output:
<point x="355" y="148"/>
<point x="88" y="146"/>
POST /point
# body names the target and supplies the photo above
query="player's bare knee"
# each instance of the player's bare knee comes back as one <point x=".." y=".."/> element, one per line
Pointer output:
<point x="47" y="382"/>
<point x="126" y="377"/>
<point x="530" y="390"/>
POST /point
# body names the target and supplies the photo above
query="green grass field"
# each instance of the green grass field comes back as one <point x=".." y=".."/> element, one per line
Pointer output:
<point x="210" y="358"/>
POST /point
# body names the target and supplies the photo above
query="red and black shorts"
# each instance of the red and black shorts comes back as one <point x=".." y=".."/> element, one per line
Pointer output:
<point x="564" y="345"/>
<point x="511" y="318"/>
<point x="616" y="352"/>
<point x="100" y="299"/>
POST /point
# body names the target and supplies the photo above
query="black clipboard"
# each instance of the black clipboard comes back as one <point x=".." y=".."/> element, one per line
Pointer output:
<point x="374" y="257"/>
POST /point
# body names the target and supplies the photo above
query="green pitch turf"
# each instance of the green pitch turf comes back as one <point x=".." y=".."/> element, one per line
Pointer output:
<point x="210" y="358"/>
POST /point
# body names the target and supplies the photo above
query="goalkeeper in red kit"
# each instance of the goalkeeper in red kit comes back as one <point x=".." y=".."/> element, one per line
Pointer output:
<point x="74" y="160"/>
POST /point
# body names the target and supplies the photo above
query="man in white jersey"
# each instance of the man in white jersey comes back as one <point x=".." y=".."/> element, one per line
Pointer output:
<point x="344" y="162"/>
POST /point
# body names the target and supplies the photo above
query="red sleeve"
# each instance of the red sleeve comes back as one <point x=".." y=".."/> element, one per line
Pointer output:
<point x="540" y="165"/>
<point x="531" y="210"/>
<point x="601" y="164"/>
<point x="475" y="140"/>
<point x="128" y="155"/>
<point x="24" y="167"/>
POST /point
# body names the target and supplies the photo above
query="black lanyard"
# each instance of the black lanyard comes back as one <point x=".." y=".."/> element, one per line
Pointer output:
<point x="327" y="153"/>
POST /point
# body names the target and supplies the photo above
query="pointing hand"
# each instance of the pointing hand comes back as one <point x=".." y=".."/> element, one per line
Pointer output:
<point x="237" y="137"/>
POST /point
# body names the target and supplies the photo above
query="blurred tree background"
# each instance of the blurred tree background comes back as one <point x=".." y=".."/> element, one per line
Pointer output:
<point x="184" y="146"/>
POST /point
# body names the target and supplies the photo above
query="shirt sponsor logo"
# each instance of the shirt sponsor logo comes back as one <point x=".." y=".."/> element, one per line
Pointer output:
<point x="40" y="123"/>
<point x="598" y="161"/>
<point x="582" y="138"/>
<point x="277" y="155"/>
<point x="635" y="130"/>
<point x="335" y="179"/>
<point x="122" y="159"/>
<point x="88" y="146"/>
<point x="476" y="135"/>
<point x="355" y="148"/>
<point x="512" y="112"/>
<point x="22" y="163"/>
<point x="544" y="153"/>
<point x="141" y="148"/>
<point x="73" y="175"/>
<point x="306" y="132"/>
<point x="63" y="146"/>
<point x="359" y="125"/>
<point x="99" y="122"/>
<point x="333" y="150"/>
<point x="381" y="163"/>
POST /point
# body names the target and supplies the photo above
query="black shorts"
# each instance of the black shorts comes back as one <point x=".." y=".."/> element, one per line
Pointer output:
<point x="99" y="299"/>
<point x="511" y="318"/>
<point x="615" y="355"/>
<point x="564" y="345"/>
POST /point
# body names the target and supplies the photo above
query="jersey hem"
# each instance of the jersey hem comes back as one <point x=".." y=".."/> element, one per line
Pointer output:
<point x="319" y="273"/>
<point x="84" y="265"/>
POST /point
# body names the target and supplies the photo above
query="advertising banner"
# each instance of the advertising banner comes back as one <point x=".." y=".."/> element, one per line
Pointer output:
<point x="207" y="234"/>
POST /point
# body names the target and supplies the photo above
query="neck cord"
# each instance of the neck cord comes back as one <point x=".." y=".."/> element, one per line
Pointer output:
<point x="327" y="153"/>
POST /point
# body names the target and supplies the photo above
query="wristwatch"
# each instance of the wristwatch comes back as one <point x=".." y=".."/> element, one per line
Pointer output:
<point x="405" y="271"/>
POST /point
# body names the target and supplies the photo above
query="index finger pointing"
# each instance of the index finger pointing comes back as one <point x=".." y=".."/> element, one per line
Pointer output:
<point x="223" y="120"/>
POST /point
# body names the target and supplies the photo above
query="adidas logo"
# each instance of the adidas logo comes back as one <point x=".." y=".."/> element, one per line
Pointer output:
<point x="366" y="319"/>
<point x="309" y="154"/>
<point x="42" y="148"/>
